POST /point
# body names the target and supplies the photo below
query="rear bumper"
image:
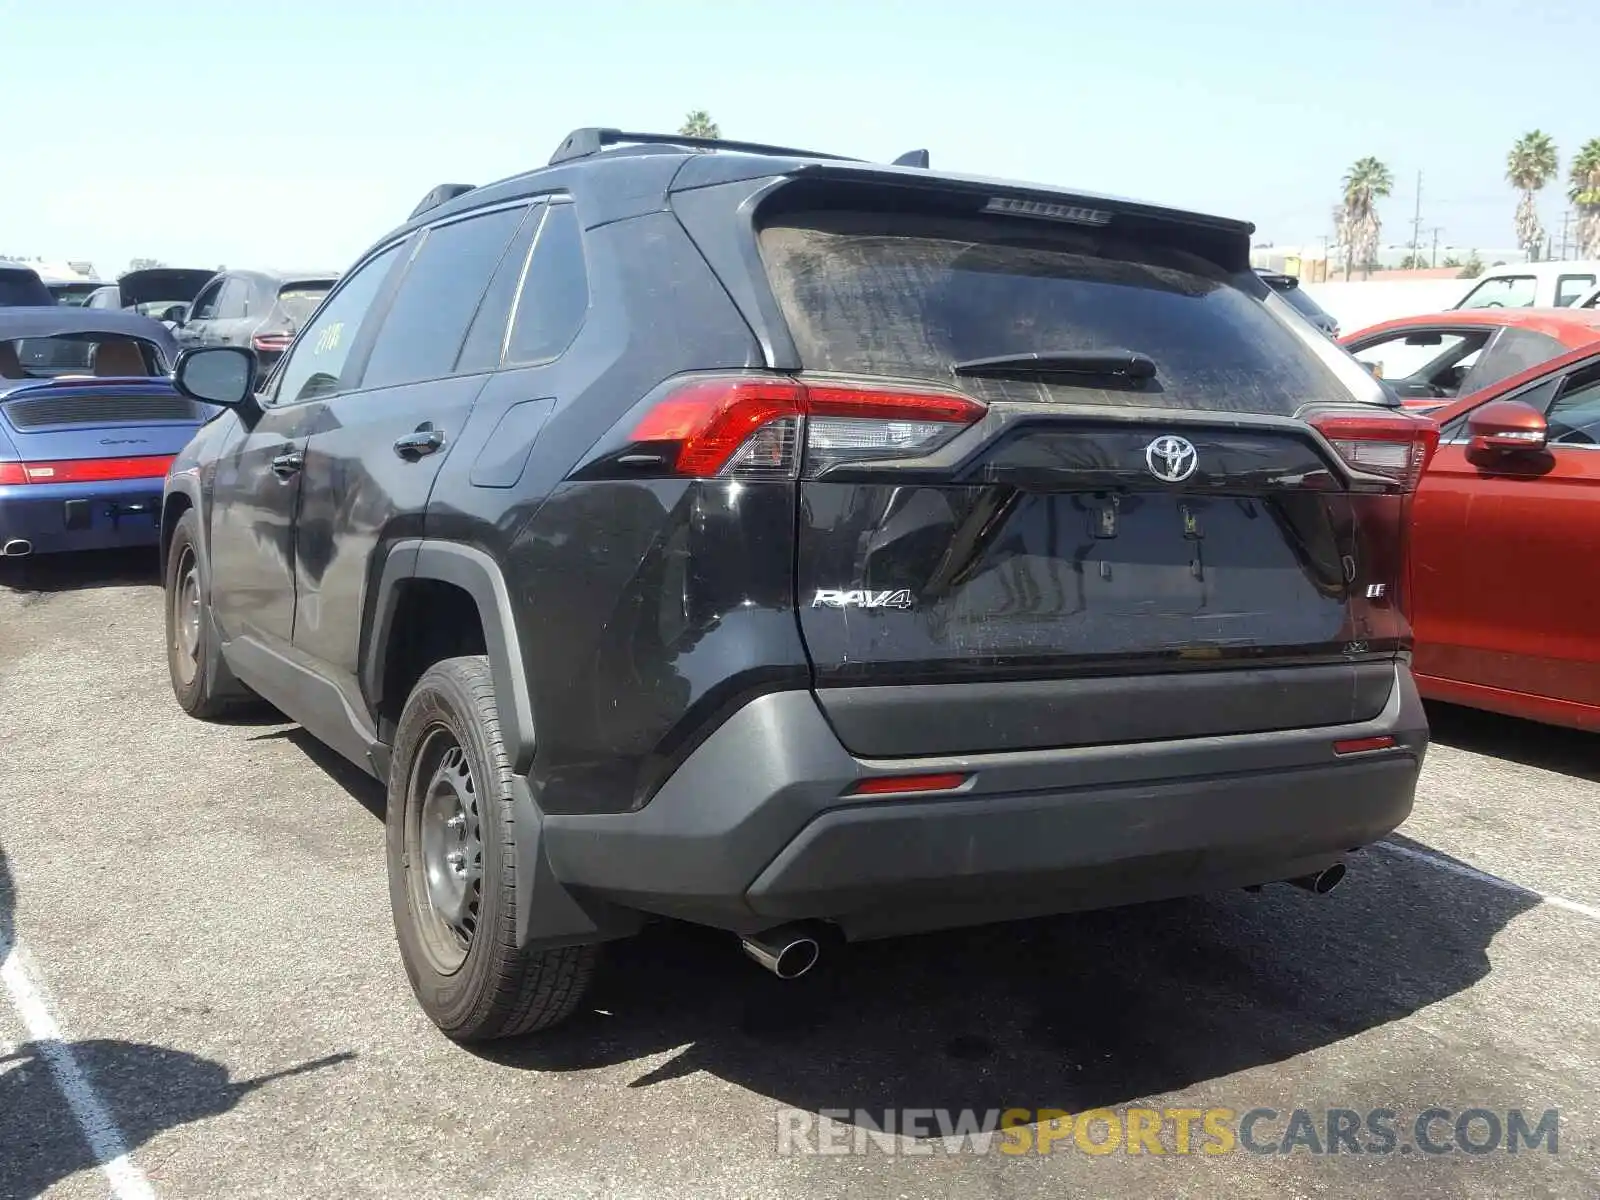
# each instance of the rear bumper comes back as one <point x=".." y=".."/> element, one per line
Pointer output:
<point x="58" y="517"/>
<point x="753" y="829"/>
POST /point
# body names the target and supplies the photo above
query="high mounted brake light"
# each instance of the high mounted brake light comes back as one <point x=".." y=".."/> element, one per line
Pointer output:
<point x="763" y="426"/>
<point x="1392" y="445"/>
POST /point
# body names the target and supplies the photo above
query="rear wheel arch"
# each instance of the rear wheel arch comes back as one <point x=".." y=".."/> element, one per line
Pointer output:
<point x="438" y="600"/>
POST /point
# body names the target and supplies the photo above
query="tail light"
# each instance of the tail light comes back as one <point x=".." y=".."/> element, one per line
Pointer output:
<point x="1395" y="446"/>
<point x="768" y="426"/>
<point x="88" y="470"/>
<point x="272" y="343"/>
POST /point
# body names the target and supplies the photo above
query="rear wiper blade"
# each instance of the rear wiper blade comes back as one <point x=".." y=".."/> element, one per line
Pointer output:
<point x="1062" y="362"/>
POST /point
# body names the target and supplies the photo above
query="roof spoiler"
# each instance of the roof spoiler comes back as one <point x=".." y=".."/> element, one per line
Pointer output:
<point x="439" y="195"/>
<point x="581" y="143"/>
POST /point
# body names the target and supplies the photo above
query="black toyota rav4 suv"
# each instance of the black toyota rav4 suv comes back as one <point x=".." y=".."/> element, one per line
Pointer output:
<point x="806" y="548"/>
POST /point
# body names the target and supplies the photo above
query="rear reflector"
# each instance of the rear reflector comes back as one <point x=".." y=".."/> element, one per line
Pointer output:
<point x="743" y="425"/>
<point x="1364" y="745"/>
<point x="88" y="470"/>
<point x="1393" y="445"/>
<point x="890" y="785"/>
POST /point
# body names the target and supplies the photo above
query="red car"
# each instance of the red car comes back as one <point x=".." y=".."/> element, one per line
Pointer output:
<point x="1504" y="565"/>
<point x="1432" y="359"/>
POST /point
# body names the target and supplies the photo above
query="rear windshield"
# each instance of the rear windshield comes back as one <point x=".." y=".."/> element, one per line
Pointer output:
<point x="299" y="300"/>
<point x="82" y="354"/>
<point x="911" y="296"/>
<point x="73" y="294"/>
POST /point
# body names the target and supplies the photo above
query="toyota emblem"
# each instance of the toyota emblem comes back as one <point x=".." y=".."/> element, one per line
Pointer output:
<point x="1171" y="459"/>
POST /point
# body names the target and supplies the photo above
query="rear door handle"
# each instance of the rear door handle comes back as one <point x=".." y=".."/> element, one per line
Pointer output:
<point x="288" y="463"/>
<point x="415" y="445"/>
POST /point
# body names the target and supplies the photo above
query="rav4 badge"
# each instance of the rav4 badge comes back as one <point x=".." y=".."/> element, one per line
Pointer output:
<point x="832" y="598"/>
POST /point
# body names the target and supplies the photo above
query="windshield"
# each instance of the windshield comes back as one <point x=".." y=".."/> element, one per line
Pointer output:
<point x="911" y="296"/>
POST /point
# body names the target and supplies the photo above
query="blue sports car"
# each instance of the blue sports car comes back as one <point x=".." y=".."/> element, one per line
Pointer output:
<point x="89" y="422"/>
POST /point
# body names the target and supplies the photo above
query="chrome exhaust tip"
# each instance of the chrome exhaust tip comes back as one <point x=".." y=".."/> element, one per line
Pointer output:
<point x="1321" y="882"/>
<point x="16" y="548"/>
<point x="788" y="951"/>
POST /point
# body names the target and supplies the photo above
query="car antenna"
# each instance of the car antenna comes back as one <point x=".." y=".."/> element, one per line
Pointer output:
<point x="913" y="158"/>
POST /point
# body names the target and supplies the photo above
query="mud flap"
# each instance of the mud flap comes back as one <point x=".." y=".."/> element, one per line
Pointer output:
<point x="548" y="915"/>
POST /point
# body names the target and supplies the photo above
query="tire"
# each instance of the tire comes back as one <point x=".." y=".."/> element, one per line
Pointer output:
<point x="201" y="681"/>
<point x="450" y="840"/>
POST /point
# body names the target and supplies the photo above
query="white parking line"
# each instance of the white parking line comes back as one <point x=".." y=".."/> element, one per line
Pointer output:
<point x="1572" y="906"/>
<point x="99" y="1130"/>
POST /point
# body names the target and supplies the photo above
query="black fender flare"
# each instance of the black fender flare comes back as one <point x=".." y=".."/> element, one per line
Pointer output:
<point x="475" y="573"/>
<point x="547" y="914"/>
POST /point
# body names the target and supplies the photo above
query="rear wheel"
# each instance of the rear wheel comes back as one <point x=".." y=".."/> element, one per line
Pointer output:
<point x="452" y="879"/>
<point x="201" y="681"/>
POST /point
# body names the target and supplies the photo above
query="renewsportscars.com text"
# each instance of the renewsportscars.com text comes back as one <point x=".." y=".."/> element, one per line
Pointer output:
<point x="1169" y="1131"/>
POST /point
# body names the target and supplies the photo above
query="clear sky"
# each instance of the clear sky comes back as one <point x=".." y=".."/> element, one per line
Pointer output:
<point x="293" y="133"/>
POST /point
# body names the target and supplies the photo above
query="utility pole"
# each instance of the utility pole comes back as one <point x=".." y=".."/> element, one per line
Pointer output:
<point x="1436" y="231"/>
<point x="1416" y="225"/>
<point x="1566" y="218"/>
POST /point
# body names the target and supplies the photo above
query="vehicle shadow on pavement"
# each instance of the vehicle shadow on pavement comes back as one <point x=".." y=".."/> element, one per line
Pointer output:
<point x="1548" y="747"/>
<point x="45" y="573"/>
<point x="1077" y="1012"/>
<point x="143" y="1089"/>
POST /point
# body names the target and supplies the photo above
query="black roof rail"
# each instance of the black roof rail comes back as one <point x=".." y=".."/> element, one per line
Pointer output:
<point x="438" y="196"/>
<point x="912" y="158"/>
<point x="581" y="143"/>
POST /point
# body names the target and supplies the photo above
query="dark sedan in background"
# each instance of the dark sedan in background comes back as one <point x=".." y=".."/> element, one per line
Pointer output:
<point x="1288" y="286"/>
<point x="89" y="423"/>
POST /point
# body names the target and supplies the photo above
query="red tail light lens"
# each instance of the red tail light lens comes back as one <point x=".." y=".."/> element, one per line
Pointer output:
<point x="88" y="470"/>
<point x="274" y="342"/>
<point x="762" y="426"/>
<point x="1395" y="446"/>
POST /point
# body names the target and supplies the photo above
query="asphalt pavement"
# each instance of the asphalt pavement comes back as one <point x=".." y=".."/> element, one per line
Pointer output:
<point x="202" y="996"/>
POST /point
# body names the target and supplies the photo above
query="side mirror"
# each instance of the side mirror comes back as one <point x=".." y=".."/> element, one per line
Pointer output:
<point x="1506" y="427"/>
<point x="222" y="375"/>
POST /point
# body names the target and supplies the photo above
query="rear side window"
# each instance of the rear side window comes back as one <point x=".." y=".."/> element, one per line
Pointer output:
<point x="1570" y="287"/>
<point x="912" y="296"/>
<point x="555" y="294"/>
<point x="422" y="333"/>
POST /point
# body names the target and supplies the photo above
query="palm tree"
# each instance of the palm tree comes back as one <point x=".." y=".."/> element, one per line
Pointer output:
<point x="699" y="124"/>
<point x="1584" y="176"/>
<point x="1530" y="165"/>
<point x="1367" y="182"/>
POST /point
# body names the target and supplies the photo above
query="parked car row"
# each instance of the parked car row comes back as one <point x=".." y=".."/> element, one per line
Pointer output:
<point x="818" y="549"/>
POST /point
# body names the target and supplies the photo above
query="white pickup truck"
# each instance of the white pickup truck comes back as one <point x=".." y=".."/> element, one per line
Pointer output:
<point x="1534" y="285"/>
